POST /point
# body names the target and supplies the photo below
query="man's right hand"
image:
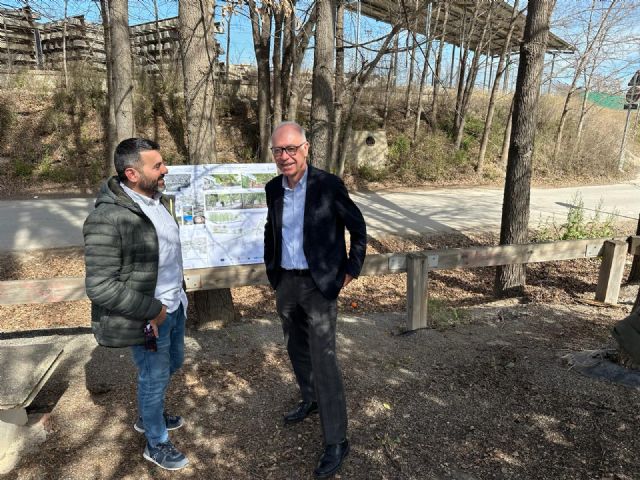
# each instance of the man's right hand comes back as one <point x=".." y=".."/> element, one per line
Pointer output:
<point x="159" y="320"/>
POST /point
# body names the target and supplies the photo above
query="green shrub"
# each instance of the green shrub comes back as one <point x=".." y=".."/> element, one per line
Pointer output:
<point x="372" y="174"/>
<point x="444" y="317"/>
<point x="55" y="172"/>
<point x="58" y="174"/>
<point x="22" y="168"/>
<point x="399" y="148"/>
<point x="577" y="225"/>
<point x="474" y="126"/>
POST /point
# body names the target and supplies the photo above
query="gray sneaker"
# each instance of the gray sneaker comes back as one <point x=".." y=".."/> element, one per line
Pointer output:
<point x="165" y="455"/>
<point x="173" y="422"/>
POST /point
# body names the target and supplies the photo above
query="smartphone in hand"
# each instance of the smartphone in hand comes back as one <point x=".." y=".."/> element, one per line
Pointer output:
<point x="150" y="339"/>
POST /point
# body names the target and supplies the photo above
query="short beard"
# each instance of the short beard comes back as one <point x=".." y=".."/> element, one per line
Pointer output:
<point x="150" y="187"/>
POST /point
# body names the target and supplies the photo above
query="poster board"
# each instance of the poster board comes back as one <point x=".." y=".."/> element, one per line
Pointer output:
<point x="221" y="209"/>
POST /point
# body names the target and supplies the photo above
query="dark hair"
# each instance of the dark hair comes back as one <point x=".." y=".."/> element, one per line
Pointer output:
<point x="127" y="154"/>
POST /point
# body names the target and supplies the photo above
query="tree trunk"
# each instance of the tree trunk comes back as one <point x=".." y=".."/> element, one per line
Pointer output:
<point x="466" y="38"/>
<point x="507" y="69"/>
<point x="583" y="112"/>
<point x="278" y="17"/>
<point x="506" y="139"/>
<point x="170" y="109"/>
<point x="390" y="83"/>
<point x="214" y="307"/>
<point x="436" y="76"/>
<point x="196" y="29"/>
<point x="423" y="76"/>
<point x="494" y="91"/>
<point x="230" y="14"/>
<point x="261" y="32"/>
<point x="587" y="88"/>
<point x="300" y="45"/>
<point x="471" y="79"/>
<point x="122" y="71"/>
<point x="288" y="47"/>
<point x="157" y="75"/>
<point x="64" y="46"/>
<point x="412" y="61"/>
<point x="339" y="84"/>
<point x="511" y="279"/>
<point x="323" y="88"/>
<point x="109" y="117"/>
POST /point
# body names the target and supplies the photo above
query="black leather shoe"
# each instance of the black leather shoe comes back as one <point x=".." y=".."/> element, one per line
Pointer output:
<point x="331" y="459"/>
<point x="302" y="411"/>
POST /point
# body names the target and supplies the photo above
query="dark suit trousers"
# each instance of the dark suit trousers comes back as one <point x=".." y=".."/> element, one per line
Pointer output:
<point x="309" y="325"/>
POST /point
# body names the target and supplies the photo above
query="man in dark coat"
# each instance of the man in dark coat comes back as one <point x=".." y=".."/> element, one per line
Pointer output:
<point x="307" y="264"/>
<point x="134" y="281"/>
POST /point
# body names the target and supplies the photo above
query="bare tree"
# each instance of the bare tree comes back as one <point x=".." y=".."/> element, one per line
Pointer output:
<point x="109" y="117"/>
<point x="121" y="70"/>
<point x="436" y="76"/>
<point x="465" y="38"/>
<point x="339" y="82"/>
<point x="64" y="44"/>
<point x="591" y="40"/>
<point x="278" y="25"/>
<point x="292" y="62"/>
<point x="391" y="81"/>
<point x="228" y="11"/>
<point x="506" y="138"/>
<point x="261" y="19"/>
<point x="587" y="77"/>
<point x="412" y="60"/>
<point x="354" y="91"/>
<point x="494" y="90"/>
<point x="278" y="96"/>
<point x="465" y="100"/>
<point x="425" y="68"/>
<point x="197" y="50"/>
<point x="515" y="206"/>
<point x="156" y="79"/>
<point x="323" y="88"/>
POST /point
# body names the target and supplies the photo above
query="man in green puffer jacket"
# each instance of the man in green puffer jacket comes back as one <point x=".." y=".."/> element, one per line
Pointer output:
<point x="134" y="280"/>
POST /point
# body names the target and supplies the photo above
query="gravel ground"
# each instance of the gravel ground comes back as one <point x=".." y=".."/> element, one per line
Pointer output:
<point x="485" y="394"/>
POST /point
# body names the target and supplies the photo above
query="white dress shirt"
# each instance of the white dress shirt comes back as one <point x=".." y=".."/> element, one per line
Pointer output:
<point x="169" y="284"/>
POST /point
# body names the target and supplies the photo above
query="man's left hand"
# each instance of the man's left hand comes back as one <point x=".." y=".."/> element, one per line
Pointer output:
<point x="159" y="320"/>
<point x="347" y="280"/>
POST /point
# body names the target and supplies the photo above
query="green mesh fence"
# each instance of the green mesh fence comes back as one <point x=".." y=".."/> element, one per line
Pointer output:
<point x="606" y="100"/>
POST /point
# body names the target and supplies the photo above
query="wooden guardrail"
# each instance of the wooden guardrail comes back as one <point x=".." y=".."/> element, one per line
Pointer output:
<point x="416" y="264"/>
<point x="612" y="251"/>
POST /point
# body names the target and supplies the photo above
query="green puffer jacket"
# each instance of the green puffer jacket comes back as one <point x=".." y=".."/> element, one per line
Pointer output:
<point x="121" y="261"/>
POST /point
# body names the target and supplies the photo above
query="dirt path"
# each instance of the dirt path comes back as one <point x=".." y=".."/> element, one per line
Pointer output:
<point x="489" y="398"/>
<point x="486" y="394"/>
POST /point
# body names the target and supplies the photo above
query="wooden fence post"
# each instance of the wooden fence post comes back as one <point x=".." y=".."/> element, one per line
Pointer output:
<point x="611" y="270"/>
<point x="417" y="295"/>
<point x="634" y="274"/>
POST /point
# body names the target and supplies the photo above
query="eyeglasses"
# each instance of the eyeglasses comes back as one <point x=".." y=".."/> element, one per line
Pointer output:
<point x="290" y="149"/>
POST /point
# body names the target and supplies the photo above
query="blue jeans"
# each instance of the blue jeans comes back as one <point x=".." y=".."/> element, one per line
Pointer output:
<point x="155" y="370"/>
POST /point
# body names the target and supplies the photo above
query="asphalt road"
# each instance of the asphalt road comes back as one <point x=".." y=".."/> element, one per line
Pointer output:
<point x="41" y="223"/>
